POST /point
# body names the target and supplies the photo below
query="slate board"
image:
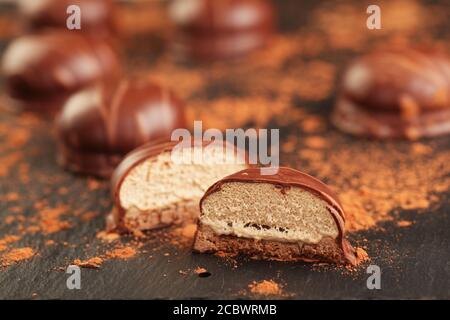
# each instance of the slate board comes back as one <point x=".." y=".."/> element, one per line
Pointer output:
<point x="415" y="264"/>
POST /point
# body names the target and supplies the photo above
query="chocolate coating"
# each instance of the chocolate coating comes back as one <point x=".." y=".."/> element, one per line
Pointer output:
<point x="99" y="125"/>
<point x="396" y="94"/>
<point x="286" y="178"/>
<point x="218" y="29"/>
<point x="97" y="16"/>
<point x="41" y="71"/>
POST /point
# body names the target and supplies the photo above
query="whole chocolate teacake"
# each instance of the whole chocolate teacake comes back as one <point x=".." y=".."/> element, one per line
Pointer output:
<point x="160" y="184"/>
<point x="41" y="71"/>
<point x="396" y="94"/>
<point x="218" y="29"/>
<point x="96" y="16"/>
<point x="288" y="216"/>
<point x="98" y="126"/>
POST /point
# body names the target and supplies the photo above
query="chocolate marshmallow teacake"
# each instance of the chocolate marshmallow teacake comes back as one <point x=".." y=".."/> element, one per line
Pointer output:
<point x="262" y="229"/>
<point x="101" y="124"/>
<point x="401" y="93"/>
<point x="217" y="29"/>
<point x="150" y="189"/>
<point x="41" y="71"/>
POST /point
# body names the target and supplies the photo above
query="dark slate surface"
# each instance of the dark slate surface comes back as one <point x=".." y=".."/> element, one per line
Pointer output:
<point x="420" y="270"/>
<point x="415" y="261"/>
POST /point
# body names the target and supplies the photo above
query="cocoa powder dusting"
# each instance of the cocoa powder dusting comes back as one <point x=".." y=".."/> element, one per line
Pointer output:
<point x="182" y="236"/>
<point x="266" y="288"/>
<point x="49" y="220"/>
<point x="16" y="255"/>
<point x="376" y="179"/>
<point x="108" y="236"/>
<point x="92" y="263"/>
<point x="6" y="240"/>
<point x="404" y="223"/>
<point x="121" y="252"/>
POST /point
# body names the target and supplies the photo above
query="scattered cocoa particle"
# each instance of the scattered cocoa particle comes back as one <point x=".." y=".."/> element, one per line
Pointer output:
<point x="121" y="253"/>
<point x="404" y="223"/>
<point x="138" y="234"/>
<point x="361" y="255"/>
<point x="40" y="204"/>
<point x="187" y="231"/>
<point x="10" y="219"/>
<point x="412" y="134"/>
<point x="181" y="237"/>
<point x="228" y="257"/>
<point x="32" y="229"/>
<point x="24" y="169"/>
<point x="310" y="155"/>
<point x="92" y="263"/>
<point x="8" y="161"/>
<point x="12" y="196"/>
<point x="18" y="137"/>
<point x="7" y="240"/>
<point x="93" y="184"/>
<point x="315" y="142"/>
<point x="199" y="270"/>
<point x="63" y="191"/>
<point x="16" y="255"/>
<point x="50" y="222"/>
<point x="312" y="124"/>
<point x="420" y="149"/>
<point x="289" y="146"/>
<point x="108" y="236"/>
<point x="266" y="288"/>
<point x="282" y="49"/>
<point x="87" y="216"/>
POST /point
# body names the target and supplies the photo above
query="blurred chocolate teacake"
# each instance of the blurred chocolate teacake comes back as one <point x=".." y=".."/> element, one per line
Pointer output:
<point x="101" y="124"/>
<point x="218" y="29"/>
<point x="401" y="93"/>
<point x="42" y="70"/>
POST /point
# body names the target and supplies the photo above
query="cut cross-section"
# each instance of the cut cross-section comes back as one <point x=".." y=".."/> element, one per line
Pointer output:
<point x="288" y="216"/>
